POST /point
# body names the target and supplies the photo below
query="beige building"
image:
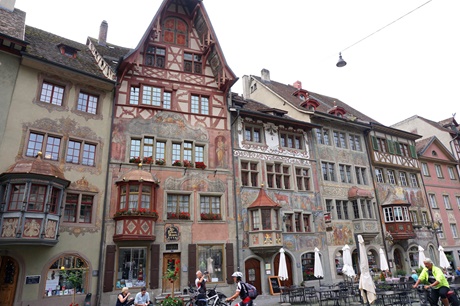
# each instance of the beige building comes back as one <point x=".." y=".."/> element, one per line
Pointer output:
<point x="54" y="132"/>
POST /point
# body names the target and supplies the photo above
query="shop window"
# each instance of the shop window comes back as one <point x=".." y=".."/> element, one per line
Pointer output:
<point x="68" y="274"/>
<point x="210" y="259"/>
<point x="132" y="266"/>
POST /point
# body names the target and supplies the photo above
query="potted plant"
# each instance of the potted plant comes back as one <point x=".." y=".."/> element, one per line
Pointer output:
<point x="177" y="163"/>
<point x="75" y="278"/>
<point x="171" y="215"/>
<point x="210" y="216"/>
<point x="147" y="160"/>
<point x="136" y="212"/>
<point x="172" y="276"/>
<point x="135" y="160"/>
<point x="200" y="165"/>
<point x="160" y="161"/>
<point x="188" y="163"/>
<point x="184" y="215"/>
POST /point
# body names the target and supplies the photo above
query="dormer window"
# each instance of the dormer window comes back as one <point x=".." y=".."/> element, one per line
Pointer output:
<point x="302" y="97"/>
<point x="310" y="104"/>
<point x="337" y="111"/>
<point x="68" y="50"/>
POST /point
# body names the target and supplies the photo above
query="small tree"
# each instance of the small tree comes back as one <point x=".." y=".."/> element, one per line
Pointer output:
<point x="172" y="275"/>
<point x="75" y="278"/>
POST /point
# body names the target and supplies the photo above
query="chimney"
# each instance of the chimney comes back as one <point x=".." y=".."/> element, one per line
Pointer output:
<point x="7" y="5"/>
<point x="265" y="75"/>
<point x="298" y="84"/>
<point x="102" y="32"/>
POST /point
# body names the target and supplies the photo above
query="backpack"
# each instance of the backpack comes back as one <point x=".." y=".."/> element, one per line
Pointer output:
<point x="251" y="291"/>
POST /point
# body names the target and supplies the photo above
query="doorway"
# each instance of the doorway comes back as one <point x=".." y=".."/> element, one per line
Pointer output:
<point x="171" y="262"/>
<point x="252" y="272"/>
<point x="288" y="282"/>
<point x="9" y="271"/>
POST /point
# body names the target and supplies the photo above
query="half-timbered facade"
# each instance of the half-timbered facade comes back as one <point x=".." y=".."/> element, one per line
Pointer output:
<point x="404" y="210"/>
<point x="171" y="199"/>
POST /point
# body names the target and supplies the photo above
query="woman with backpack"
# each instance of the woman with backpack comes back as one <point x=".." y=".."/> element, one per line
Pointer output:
<point x="241" y="291"/>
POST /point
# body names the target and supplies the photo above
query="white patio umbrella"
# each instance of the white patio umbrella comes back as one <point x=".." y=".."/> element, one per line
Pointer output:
<point x="366" y="284"/>
<point x="347" y="268"/>
<point x="421" y="257"/>
<point x="383" y="261"/>
<point x="318" y="268"/>
<point x="282" y="269"/>
<point x="443" y="262"/>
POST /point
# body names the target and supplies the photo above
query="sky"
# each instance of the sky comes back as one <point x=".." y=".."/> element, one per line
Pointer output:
<point x="410" y="67"/>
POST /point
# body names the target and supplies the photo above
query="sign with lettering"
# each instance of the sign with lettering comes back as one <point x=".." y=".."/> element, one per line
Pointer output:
<point x="32" y="279"/>
<point x="172" y="233"/>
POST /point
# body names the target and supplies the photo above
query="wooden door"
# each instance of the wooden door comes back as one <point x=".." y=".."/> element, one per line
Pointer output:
<point x="169" y="262"/>
<point x="9" y="271"/>
<point x="252" y="273"/>
<point x="288" y="282"/>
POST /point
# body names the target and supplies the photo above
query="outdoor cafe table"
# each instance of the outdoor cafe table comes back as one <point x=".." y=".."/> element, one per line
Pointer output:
<point x="388" y="297"/>
<point x="329" y="294"/>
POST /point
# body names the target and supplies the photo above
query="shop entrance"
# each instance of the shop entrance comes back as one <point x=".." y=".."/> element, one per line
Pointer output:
<point x="9" y="271"/>
<point x="171" y="262"/>
<point x="252" y="273"/>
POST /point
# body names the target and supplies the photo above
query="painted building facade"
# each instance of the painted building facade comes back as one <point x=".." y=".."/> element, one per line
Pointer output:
<point x="404" y="212"/>
<point x="276" y="193"/>
<point x="171" y="201"/>
<point x="55" y="129"/>
<point x="345" y="192"/>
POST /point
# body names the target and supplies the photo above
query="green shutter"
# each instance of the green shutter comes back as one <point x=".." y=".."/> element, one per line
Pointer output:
<point x="375" y="144"/>
<point x="397" y="147"/>
<point x="413" y="153"/>
<point x="390" y="145"/>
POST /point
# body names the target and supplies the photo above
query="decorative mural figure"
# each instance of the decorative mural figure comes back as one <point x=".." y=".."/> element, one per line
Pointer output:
<point x="118" y="142"/>
<point x="31" y="228"/>
<point x="9" y="227"/>
<point x="220" y="151"/>
<point x="341" y="235"/>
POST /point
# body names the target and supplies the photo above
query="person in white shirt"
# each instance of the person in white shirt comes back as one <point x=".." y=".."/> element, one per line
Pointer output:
<point x="142" y="298"/>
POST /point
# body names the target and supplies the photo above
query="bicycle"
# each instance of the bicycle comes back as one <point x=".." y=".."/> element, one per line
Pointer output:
<point x="213" y="298"/>
<point x="426" y="300"/>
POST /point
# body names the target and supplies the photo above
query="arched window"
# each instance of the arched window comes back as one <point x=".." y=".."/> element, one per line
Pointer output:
<point x="68" y="274"/>
<point x="175" y="31"/>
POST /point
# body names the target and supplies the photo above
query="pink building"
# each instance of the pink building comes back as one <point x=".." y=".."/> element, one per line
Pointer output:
<point x="442" y="185"/>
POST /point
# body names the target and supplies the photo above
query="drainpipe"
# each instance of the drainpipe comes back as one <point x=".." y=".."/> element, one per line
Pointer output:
<point x="107" y="186"/>
<point x="366" y="133"/>
<point x="236" y="110"/>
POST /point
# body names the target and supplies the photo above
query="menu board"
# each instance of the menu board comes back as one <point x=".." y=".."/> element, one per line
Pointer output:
<point x="275" y="285"/>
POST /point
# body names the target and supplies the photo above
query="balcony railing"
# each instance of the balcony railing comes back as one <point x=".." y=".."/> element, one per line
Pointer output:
<point x="400" y="230"/>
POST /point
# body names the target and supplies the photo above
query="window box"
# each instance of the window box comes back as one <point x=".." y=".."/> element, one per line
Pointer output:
<point x="200" y="165"/>
<point x="188" y="163"/>
<point x="210" y="216"/>
<point x="136" y="212"/>
<point x="182" y="215"/>
<point x="135" y="160"/>
<point x="177" y="163"/>
<point x="160" y="161"/>
<point x="147" y="160"/>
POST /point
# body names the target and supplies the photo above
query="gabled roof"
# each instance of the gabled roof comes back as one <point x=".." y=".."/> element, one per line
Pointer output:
<point x="326" y="103"/>
<point x="43" y="46"/>
<point x="255" y="109"/>
<point x="442" y="125"/>
<point x="423" y="145"/>
<point x="111" y="53"/>
<point x="202" y="23"/>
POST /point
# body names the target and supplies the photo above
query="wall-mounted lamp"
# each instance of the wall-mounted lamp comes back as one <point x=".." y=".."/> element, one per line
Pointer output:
<point x="437" y="227"/>
<point x="62" y="268"/>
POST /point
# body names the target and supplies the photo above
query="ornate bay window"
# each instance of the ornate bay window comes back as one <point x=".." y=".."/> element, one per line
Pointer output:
<point x="31" y="193"/>
<point x="136" y="215"/>
<point x="265" y="231"/>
